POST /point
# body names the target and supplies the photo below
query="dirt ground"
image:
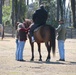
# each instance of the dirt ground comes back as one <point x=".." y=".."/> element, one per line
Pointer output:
<point x="9" y="66"/>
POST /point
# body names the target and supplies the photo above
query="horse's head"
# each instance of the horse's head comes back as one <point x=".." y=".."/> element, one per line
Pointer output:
<point x="27" y="23"/>
<point x="16" y="25"/>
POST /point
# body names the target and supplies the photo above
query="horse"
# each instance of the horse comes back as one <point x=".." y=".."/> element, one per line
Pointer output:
<point x="43" y="34"/>
<point x="1" y="31"/>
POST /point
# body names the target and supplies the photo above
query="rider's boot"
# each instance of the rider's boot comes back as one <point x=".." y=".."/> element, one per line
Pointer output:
<point x="33" y="40"/>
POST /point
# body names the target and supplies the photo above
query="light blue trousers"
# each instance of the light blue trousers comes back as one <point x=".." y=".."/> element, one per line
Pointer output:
<point x="61" y="49"/>
<point x="19" y="49"/>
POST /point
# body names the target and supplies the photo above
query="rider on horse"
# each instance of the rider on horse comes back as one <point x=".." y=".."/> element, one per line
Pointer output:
<point x="39" y="18"/>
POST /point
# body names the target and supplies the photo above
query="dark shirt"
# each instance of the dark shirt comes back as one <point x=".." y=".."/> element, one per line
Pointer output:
<point x="40" y="16"/>
<point x="22" y="34"/>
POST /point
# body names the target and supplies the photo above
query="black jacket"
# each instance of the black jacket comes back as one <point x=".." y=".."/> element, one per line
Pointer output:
<point x="40" y="16"/>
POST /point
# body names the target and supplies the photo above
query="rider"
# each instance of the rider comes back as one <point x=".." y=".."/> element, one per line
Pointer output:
<point x="39" y="18"/>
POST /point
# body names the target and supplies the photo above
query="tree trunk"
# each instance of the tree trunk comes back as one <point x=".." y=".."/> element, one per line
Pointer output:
<point x="40" y="2"/>
<point x="27" y="2"/>
<point x="73" y="11"/>
<point x="61" y="9"/>
<point x="16" y="10"/>
<point x="0" y="11"/>
<point x="1" y="18"/>
<point x="13" y="23"/>
<point x="57" y="10"/>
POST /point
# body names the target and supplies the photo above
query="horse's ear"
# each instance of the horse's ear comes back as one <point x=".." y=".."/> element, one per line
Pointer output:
<point x="17" y="23"/>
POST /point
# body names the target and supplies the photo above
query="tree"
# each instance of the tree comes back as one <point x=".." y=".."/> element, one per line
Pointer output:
<point x="12" y="12"/>
<point x="27" y="2"/>
<point x="20" y="10"/>
<point x="73" y="11"/>
<point x="40" y="2"/>
<point x="60" y="9"/>
<point x="50" y="6"/>
<point x="0" y="11"/>
<point x="1" y="18"/>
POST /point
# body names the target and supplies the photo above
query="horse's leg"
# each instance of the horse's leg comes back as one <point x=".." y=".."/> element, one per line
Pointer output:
<point x="32" y="48"/>
<point x="39" y="50"/>
<point x="48" y="45"/>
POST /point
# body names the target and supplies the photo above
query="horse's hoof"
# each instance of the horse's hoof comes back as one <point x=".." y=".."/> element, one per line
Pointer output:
<point x="31" y="59"/>
<point x="40" y="59"/>
<point x="48" y="60"/>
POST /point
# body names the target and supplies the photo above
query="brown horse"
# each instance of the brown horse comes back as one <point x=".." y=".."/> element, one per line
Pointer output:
<point x="44" y="34"/>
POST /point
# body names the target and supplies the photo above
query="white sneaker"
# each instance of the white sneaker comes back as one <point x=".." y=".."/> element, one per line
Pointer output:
<point x="33" y="40"/>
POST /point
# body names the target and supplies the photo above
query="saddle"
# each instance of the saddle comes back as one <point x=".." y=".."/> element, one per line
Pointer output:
<point x="37" y="28"/>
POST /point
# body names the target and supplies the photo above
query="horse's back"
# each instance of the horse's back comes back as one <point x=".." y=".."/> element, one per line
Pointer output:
<point x="43" y="34"/>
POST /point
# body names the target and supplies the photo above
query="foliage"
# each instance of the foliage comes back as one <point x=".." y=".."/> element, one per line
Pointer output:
<point x="31" y="8"/>
<point x="20" y="10"/>
<point x="51" y="6"/>
<point x="6" y="11"/>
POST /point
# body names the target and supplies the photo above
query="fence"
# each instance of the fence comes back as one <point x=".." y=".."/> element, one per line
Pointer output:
<point x="71" y="32"/>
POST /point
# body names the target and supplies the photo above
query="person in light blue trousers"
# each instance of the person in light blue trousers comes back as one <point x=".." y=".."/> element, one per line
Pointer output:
<point x="61" y="30"/>
<point x="20" y="41"/>
<point x="19" y="51"/>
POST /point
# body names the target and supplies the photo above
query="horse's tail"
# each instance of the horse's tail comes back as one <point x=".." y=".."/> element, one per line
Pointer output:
<point x="53" y="42"/>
